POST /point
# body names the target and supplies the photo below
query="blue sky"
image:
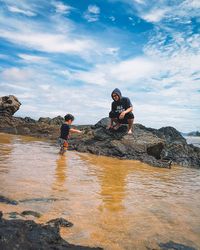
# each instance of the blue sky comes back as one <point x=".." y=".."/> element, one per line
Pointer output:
<point x="63" y="57"/>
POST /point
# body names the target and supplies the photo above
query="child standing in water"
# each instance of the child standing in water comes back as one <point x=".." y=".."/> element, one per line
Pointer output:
<point x="65" y="130"/>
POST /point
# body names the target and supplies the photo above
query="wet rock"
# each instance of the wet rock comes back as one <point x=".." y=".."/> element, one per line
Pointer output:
<point x="25" y="235"/>
<point x="9" y="105"/>
<point x="160" y="147"/>
<point x="14" y="215"/>
<point x="29" y="212"/>
<point x="59" y="222"/>
<point x="7" y="200"/>
<point x="39" y="200"/>
<point x="175" y="246"/>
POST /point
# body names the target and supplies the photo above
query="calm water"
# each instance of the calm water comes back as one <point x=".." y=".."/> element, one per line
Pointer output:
<point x="114" y="204"/>
<point x="195" y="140"/>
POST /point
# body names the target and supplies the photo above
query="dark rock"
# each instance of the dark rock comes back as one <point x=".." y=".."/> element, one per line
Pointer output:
<point x="39" y="200"/>
<point x="157" y="147"/>
<point x="9" y="105"/>
<point x="44" y="119"/>
<point x="175" y="246"/>
<point x="14" y="215"/>
<point x="7" y="200"/>
<point x="29" y="120"/>
<point x="59" y="222"/>
<point x="29" y="212"/>
<point x="59" y="120"/>
<point x="25" y="235"/>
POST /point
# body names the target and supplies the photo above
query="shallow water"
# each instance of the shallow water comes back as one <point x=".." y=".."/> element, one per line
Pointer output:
<point x="114" y="204"/>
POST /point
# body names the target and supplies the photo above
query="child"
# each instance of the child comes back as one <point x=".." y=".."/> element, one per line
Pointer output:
<point x="65" y="129"/>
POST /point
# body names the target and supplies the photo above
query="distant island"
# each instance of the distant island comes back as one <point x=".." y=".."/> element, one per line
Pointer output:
<point x="194" y="133"/>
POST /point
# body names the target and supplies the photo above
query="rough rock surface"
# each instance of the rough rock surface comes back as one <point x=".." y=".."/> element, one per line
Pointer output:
<point x="28" y="235"/>
<point x="157" y="147"/>
<point x="9" y="105"/>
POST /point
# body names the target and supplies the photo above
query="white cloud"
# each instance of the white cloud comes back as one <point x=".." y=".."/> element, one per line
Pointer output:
<point x="15" y="9"/>
<point x="92" y="13"/>
<point x="140" y="1"/>
<point x="94" y="9"/>
<point x="112" y="18"/>
<point x="53" y="37"/>
<point x="62" y="8"/>
<point x="49" y="42"/>
<point x="16" y="74"/>
<point x="155" y="15"/>
<point x="33" y="59"/>
<point x="126" y="72"/>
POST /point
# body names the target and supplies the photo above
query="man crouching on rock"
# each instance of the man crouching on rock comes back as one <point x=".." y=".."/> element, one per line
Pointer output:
<point x="121" y="111"/>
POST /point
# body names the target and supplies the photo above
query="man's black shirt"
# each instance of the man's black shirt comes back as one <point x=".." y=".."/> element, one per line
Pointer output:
<point x="123" y="104"/>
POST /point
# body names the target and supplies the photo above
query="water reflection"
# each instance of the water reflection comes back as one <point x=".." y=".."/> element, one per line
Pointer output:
<point x="6" y="148"/>
<point x="60" y="174"/>
<point x="116" y="204"/>
<point x="112" y="177"/>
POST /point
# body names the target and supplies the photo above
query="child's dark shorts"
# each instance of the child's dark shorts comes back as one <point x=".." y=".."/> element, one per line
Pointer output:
<point x="63" y="143"/>
<point x="127" y="116"/>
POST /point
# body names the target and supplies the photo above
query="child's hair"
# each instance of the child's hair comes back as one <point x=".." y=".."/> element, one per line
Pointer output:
<point x="69" y="117"/>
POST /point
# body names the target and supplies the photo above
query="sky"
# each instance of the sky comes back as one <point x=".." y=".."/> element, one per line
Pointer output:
<point x="67" y="56"/>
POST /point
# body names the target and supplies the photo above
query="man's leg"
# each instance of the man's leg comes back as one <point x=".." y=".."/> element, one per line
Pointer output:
<point x="130" y="126"/>
<point x="113" y="119"/>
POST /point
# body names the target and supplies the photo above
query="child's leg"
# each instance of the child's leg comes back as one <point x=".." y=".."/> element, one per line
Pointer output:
<point x="63" y="147"/>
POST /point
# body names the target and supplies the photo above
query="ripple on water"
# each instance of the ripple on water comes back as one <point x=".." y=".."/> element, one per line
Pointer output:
<point x="116" y="204"/>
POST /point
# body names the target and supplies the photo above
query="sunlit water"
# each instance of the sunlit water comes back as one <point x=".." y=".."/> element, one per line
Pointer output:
<point x="114" y="204"/>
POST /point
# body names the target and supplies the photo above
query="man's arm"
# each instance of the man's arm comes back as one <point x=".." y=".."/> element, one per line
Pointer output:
<point x="128" y="110"/>
<point x="123" y="113"/>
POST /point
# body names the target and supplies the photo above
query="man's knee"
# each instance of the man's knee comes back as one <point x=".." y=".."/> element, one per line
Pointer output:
<point x="112" y="115"/>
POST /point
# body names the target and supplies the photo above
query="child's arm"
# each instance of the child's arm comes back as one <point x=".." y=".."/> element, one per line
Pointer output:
<point x="72" y="130"/>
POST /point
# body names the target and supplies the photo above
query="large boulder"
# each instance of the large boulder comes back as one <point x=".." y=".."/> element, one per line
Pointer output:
<point x="155" y="147"/>
<point x="9" y="105"/>
<point x="58" y="120"/>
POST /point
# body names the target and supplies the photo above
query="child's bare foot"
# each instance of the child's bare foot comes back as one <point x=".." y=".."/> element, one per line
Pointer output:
<point x="130" y="132"/>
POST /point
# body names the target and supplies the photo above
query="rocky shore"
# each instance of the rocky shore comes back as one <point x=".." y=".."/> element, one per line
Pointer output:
<point x="157" y="147"/>
<point x="26" y="234"/>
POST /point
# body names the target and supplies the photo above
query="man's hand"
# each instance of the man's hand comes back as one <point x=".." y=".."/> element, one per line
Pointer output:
<point x="121" y="116"/>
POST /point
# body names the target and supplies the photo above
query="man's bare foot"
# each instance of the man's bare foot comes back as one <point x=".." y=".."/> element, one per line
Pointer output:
<point x="130" y="132"/>
<point x="117" y="126"/>
<point x="110" y="127"/>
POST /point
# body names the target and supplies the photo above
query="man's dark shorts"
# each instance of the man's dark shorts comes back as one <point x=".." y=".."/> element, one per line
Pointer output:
<point x="127" y="116"/>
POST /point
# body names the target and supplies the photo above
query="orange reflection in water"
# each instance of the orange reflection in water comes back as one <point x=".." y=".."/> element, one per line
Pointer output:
<point x="115" y="204"/>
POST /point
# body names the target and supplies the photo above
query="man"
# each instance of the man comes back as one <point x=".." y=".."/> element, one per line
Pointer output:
<point x="121" y="111"/>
